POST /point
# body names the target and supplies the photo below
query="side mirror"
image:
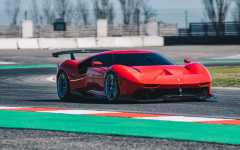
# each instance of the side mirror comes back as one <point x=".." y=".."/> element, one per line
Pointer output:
<point x="187" y="61"/>
<point x="96" y="63"/>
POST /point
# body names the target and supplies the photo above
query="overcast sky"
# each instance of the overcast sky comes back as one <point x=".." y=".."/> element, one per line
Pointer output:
<point x="157" y="4"/>
<point x="168" y="11"/>
<point x="176" y="4"/>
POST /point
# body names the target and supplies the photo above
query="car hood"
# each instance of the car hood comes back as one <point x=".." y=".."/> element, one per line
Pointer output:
<point x="162" y="70"/>
<point x="169" y="74"/>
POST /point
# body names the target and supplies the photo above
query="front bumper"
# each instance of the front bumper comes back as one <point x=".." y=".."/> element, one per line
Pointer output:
<point x="179" y="93"/>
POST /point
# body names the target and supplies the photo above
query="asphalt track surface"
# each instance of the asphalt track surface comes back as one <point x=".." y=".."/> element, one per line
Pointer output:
<point x="29" y="87"/>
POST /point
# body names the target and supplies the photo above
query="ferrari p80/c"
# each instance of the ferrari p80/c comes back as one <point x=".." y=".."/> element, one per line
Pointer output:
<point x="140" y="74"/>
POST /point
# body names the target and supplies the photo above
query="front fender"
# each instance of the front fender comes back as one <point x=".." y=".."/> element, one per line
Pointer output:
<point x="129" y="79"/>
<point x="197" y="68"/>
<point x="125" y="72"/>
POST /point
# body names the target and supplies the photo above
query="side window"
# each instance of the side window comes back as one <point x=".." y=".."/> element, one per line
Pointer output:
<point x="106" y="60"/>
<point x="135" y="59"/>
<point x="82" y="67"/>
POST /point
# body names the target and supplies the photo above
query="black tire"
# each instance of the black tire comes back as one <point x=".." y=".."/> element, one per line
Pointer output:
<point x="111" y="87"/>
<point x="63" y="87"/>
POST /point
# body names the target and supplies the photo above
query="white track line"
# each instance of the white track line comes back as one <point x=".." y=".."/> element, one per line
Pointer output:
<point x="182" y="118"/>
<point x="11" y="107"/>
<point x="79" y="112"/>
<point x="229" y="57"/>
<point x="6" y="63"/>
<point x="52" y="79"/>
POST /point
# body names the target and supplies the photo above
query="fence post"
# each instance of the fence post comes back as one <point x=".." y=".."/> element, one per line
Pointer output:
<point x="152" y="28"/>
<point x="190" y="30"/>
<point x="141" y="29"/>
<point x="102" y="28"/>
<point x="39" y="30"/>
<point x="238" y="29"/>
<point x="27" y="29"/>
<point x="120" y="30"/>
<point x="80" y="31"/>
<point x="205" y="27"/>
<point x="19" y="31"/>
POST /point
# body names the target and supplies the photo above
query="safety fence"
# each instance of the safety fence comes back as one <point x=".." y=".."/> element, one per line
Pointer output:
<point x="88" y="31"/>
<point x="211" y="29"/>
<point x="195" y="29"/>
<point x="10" y="31"/>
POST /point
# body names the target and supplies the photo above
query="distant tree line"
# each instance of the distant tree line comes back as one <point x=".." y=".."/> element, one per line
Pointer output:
<point x="132" y="11"/>
<point x="74" y="12"/>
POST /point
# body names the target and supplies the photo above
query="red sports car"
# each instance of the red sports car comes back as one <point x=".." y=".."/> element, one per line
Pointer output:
<point x="140" y="74"/>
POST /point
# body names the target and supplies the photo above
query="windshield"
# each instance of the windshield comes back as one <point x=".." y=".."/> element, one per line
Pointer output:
<point x="141" y="59"/>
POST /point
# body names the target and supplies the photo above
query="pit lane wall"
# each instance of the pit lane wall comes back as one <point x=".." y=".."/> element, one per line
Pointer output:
<point x="79" y="43"/>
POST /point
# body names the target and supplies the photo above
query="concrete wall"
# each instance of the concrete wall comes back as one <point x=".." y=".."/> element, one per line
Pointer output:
<point x="57" y="43"/>
<point x="153" y="41"/>
<point x="88" y="42"/>
<point x="27" y="43"/>
<point x="8" y="44"/>
<point x="78" y="43"/>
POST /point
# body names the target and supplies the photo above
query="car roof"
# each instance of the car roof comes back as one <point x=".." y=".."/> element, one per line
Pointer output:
<point x="119" y="52"/>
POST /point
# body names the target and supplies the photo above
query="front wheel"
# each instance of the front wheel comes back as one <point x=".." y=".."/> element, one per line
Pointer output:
<point x="111" y="87"/>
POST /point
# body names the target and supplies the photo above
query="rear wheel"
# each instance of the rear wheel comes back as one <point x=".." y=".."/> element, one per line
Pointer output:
<point x="111" y="87"/>
<point x="63" y="87"/>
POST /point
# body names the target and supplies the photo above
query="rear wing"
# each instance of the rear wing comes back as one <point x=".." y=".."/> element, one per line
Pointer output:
<point x="71" y="52"/>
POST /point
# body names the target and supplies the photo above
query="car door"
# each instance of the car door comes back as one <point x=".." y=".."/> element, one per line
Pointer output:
<point x="96" y="74"/>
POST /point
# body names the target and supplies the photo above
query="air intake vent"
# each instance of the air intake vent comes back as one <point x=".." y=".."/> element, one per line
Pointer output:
<point x="151" y="85"/>
<point x="203" y="84"/>
<point x="137" y="70"/>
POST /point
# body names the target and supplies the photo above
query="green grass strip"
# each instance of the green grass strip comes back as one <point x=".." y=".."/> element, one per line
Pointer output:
<point x="213" y="61"/>
<point x="217" y="61"/>
<point x="225" y="76"/>
<point x="29" y="66"/>
<point x="228" y="134"/>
